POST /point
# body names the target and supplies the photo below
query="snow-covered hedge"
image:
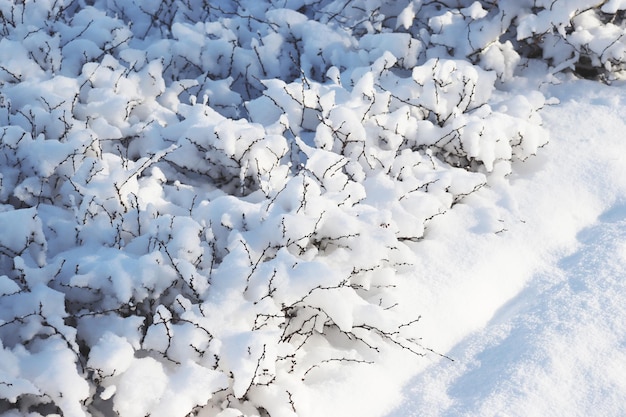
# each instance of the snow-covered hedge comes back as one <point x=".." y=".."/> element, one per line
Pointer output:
<point x="205" y="205"/>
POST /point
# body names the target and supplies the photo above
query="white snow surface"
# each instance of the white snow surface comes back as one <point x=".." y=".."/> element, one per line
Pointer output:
<point x="301" y="208"/>
<point x="533" y="317"/>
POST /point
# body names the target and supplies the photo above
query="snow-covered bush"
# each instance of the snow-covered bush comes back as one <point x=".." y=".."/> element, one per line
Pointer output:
<point x="205" y="205"/>
<point x="586" y="36"/>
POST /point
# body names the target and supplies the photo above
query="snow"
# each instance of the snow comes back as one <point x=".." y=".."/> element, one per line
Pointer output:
<point x="306" y="208"/>
<point x="534" y="316"/>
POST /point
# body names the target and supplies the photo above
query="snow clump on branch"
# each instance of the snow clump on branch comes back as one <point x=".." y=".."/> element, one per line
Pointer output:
<point x="206" y="205"/>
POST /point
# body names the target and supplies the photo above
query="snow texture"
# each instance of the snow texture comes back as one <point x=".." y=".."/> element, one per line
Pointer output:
<point x="212" y="208"/>
<point x="553" y="343"/>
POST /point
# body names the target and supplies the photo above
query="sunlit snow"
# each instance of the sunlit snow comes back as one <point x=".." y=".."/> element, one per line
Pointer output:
<point x="312" y="208"/>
